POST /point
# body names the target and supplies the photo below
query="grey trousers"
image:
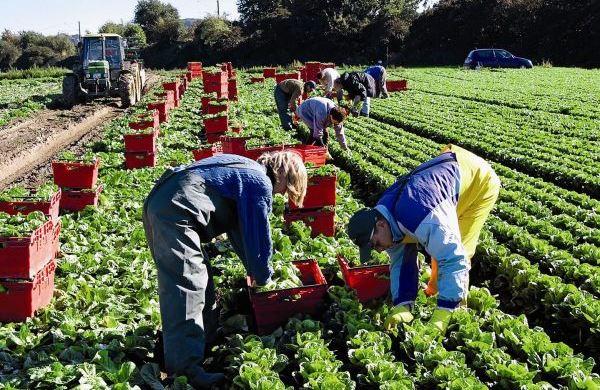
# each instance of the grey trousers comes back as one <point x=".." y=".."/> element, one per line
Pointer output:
<point x="282" y="100"/>
<point x="174" y="215"/>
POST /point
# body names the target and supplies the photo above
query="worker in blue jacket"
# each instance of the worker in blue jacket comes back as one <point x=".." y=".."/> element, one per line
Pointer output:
<point x="193" y="204"/>
<point x="440" y="207"/>
<point x="379" y="74"/>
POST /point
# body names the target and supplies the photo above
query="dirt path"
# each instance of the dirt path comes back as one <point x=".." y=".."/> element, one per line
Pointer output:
<point x="28" y="147"/>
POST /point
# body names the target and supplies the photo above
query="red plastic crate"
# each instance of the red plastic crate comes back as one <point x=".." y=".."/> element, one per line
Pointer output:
<point x="316" y="155"/>
<point x="321" y="221"/>
<point x="140" y="142"/>
<point x="284" y="76"/>
<point x="234" y="145"/>
<point x="257" y="79"/>
<point x="163" y="110"/>
<point x="214" y="108"/>
<point x="148" y="122"/>
<point x="255" y="153"/>
<point x="55" y="246"/>
<point x="23" y="257"/>
<point x="273" y="308"/>
<point x="30" y="204"/>
<point x="215" y="125"/>
<point x="24" y="297"/>
<point x="135" y="160"/>
<point x="214" y="150"/>
<point x="169" y="97"/>
<point x="320" y="192"/>
<point x="75" y="174"/>
<point x="212" y="138"/>
<point x="197" y="65"/>
<point x="269" y="72"/>
<point x="396" y="85"/>
<point x="76" y="200"/>
<point x="214" y="78"/>
<point x="369" y="282"/>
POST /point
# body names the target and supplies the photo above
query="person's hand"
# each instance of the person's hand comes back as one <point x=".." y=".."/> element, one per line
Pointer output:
<point x="440" y="319"/>
<point x="354" y="112"/>
<point x="399" y="315"/>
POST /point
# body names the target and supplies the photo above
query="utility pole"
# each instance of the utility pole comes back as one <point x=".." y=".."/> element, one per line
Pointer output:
<point x="79" y="24"/>
<point x="218" y="9"/>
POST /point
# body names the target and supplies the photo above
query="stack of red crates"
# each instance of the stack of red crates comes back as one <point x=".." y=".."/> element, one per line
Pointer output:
<point x="311" y="69"/>
<point x="177" y="92"/>
<point x="216" y="82"/>
<point x="215" y="127"/>
<point x="27" y="264"/>
<point x="284" y="76"/>
<point x="140" y="146"/>
<point x="318" y="210"/>
<point x="78" y="182"/>
<point x="194" y="70"/>
<point x="232" y="91"/>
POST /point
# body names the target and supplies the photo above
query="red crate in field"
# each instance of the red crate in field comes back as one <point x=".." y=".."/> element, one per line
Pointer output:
<point x="194" y="66"/>
<point x="76" y="200"/>
<point x="23" y="298"/>
<point x="23" y="257"/>
<point x="320" y="192"/>
<point x="269" y="72"/>
<point x="135" y="160"/>
<point x="257" y="79"/>
<point x="181" y="90"/>
<point x="325" y="65"/>
<point x="149" y="120"/>
<point x="75" y="174"/>
<point x="396" y="85"/>
<point x="27" y="205"/>
<point x="215" y="125"/>
<point x="215" y="107"/>
<point x="234" y="145"/>
<point x="214" y="78"/>
<point x="321" y="221"/>
<point x="255" y="153"/>
<point x="169" y="97"/>
<point x="369" y="282"/>
<point x="203" y="153"/>
<point x="211" y="138"/>
<point x="273" y="308"/>
<point x="232" y="89"/>
<point x="284" y="76"/>
<point x="316" y="155"/>
<point x="140" y="142"/>
<point x="163" y="110"/>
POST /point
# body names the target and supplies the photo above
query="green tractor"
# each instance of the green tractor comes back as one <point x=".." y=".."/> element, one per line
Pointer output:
<point x="104" y="70"/>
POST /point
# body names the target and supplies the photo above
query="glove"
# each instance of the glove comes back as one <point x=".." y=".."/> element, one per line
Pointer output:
<point x="432" y="288"/>
<point x="399" y="315"/>
<point x="440" y="319"/>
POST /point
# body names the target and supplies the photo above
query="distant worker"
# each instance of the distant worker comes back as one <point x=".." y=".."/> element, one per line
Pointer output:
<point x="379" y="73"/>
<point x="326" y="78"/>
<point x="360" y="87"/>
<point x="287" y="94"/>
<point x="440" y="206"/>
<point x="318" y="113"/>
<point x="190" y="205"/>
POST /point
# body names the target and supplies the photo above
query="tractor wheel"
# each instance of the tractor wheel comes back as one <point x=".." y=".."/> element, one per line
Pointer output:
<point x="69" y="91"/>
<point x="127" y="90"/>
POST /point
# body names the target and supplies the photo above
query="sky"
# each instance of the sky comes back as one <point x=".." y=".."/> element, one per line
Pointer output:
<point x="60" y="16"/>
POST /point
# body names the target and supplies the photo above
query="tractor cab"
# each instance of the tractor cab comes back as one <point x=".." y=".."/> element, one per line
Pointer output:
<point x="102" y="59"/>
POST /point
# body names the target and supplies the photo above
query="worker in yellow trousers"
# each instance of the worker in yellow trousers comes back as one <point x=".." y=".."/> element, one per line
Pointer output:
<point x="441" y="207"/>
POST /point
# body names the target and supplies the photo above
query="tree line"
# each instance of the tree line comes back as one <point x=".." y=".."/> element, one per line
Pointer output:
<point x="564" y="32"/>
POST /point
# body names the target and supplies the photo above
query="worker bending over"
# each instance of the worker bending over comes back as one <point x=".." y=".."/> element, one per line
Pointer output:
<point x="441" y="207"/>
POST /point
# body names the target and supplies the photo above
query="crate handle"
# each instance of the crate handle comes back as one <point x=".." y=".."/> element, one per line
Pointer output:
<point x="20" y="208"/>
<point x="381" y="276"/>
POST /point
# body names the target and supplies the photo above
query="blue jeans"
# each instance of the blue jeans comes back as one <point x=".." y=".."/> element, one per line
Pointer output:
<point x="282" y="100"/>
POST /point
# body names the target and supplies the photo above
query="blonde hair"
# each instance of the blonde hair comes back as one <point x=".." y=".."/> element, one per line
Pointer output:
<point x="291" y="164"/>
